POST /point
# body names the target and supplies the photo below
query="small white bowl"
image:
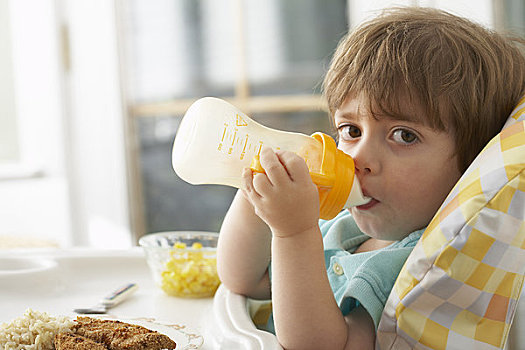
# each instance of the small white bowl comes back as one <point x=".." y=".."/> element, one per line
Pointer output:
<point x="183" y="263"/>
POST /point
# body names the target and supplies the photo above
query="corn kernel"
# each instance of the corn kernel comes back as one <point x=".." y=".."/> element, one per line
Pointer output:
<point x="191" y="273"/>
<point x="179" y="245"/>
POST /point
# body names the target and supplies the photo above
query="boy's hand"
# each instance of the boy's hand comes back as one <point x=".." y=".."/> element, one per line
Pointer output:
<point x="285" y="197"/>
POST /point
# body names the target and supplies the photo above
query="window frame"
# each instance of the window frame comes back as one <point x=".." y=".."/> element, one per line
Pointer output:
<point x="242" y="99"/>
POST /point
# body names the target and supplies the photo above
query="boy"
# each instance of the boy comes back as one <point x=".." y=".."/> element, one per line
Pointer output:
<point x="414" y="95"/>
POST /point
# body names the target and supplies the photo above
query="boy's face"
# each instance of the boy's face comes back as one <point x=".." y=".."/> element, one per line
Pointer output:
<point x="406" y="168"/>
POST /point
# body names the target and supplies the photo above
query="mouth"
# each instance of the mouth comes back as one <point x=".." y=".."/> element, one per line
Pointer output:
<point x="372" y="203"/>
<point x="368" y="205"/>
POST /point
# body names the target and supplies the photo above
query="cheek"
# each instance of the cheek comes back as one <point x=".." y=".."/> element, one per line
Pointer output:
<point x="404" y="191"/>
<point x="426" y="191"/>
<point x="418" y="192"/>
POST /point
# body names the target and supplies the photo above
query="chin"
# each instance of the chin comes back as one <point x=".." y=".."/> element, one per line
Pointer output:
<point x="380" y="233"/>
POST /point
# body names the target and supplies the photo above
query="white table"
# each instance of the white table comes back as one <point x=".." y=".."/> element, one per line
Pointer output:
<point x="56" y="281"/>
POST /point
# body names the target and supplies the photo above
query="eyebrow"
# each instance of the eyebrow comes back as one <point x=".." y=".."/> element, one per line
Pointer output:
<point x="381" y="116"/>
<point x="348" y="115"/>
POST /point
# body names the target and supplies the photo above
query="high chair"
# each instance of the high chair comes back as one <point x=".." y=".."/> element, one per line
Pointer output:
<point x="460" y="286"/>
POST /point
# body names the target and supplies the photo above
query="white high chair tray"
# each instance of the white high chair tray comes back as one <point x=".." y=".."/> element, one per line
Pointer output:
<point x="57" y="281"/>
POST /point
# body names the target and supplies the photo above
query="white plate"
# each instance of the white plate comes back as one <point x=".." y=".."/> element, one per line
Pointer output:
<point x="185" y="338"/>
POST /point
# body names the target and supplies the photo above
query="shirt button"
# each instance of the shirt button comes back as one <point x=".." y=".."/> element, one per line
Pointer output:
<point x="338" y="270"/>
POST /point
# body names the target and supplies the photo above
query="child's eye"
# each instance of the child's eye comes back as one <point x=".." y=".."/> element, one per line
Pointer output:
<point x="404" y="136"/>
<point x="349" y="132"/>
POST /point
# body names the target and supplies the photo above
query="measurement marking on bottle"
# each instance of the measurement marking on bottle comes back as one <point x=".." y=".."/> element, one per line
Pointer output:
<point x="230" y="150"/>
<point x="244" y="147"/>
<point x="224" y="131"/>
<point x="219" y="147"/>
<point x="239" y="121"/>
<point x="234" y="136"/>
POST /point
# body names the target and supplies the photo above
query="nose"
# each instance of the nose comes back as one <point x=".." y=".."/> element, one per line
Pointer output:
<point x="367" y="157"/>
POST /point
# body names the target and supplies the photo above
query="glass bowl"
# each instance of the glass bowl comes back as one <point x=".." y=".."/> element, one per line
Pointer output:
<point x="183" y="263"/>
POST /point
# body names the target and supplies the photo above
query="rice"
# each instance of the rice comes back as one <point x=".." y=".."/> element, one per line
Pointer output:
<point x="33" y="331"/>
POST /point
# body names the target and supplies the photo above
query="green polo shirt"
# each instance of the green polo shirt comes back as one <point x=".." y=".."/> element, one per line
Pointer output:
<point x="365" y="278"/>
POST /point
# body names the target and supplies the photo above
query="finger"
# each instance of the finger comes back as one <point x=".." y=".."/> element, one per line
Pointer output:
<point x="256" y="184"/>
<point x="247" y="179"/>
<point x="261" y="184"/>
<point x="249" y="192"/>
<point x="273" y="167"/>
<point x="245" y="194"/>
<point x="295" y="165"/>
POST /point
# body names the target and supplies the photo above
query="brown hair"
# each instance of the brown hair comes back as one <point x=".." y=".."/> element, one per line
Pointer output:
<point x="467" y="78"/>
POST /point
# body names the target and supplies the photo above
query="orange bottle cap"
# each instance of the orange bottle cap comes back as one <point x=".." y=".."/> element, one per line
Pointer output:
<point x="338" y="169"/>
<point x="335" y="179"/>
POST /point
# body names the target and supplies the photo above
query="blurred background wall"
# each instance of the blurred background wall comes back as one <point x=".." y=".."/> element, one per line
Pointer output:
<point x="92" y="92"/>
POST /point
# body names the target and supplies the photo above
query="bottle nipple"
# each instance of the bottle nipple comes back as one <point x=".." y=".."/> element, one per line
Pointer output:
<point x="356" y="197"/>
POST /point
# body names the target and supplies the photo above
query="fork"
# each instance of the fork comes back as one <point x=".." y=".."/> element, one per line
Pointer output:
<point x="109" y="301"/>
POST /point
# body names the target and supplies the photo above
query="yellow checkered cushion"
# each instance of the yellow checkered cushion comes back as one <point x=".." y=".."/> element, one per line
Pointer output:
<point x="460" y="286"/>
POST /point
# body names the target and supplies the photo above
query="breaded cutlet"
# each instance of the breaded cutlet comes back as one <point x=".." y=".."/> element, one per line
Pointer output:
<point x="117" y="335"/>
<point x="70" y="341"/>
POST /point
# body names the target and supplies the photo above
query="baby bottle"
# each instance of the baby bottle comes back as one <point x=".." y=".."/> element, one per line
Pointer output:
<point x="215" y="142"/>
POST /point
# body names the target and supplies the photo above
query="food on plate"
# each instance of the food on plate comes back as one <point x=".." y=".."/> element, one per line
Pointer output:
<point x="70" y="341"/>
<point x="190" y="272"/>
<point x="117" y="335"/>
<point x="40" y="331"/>
<point x="33" y="330"/>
